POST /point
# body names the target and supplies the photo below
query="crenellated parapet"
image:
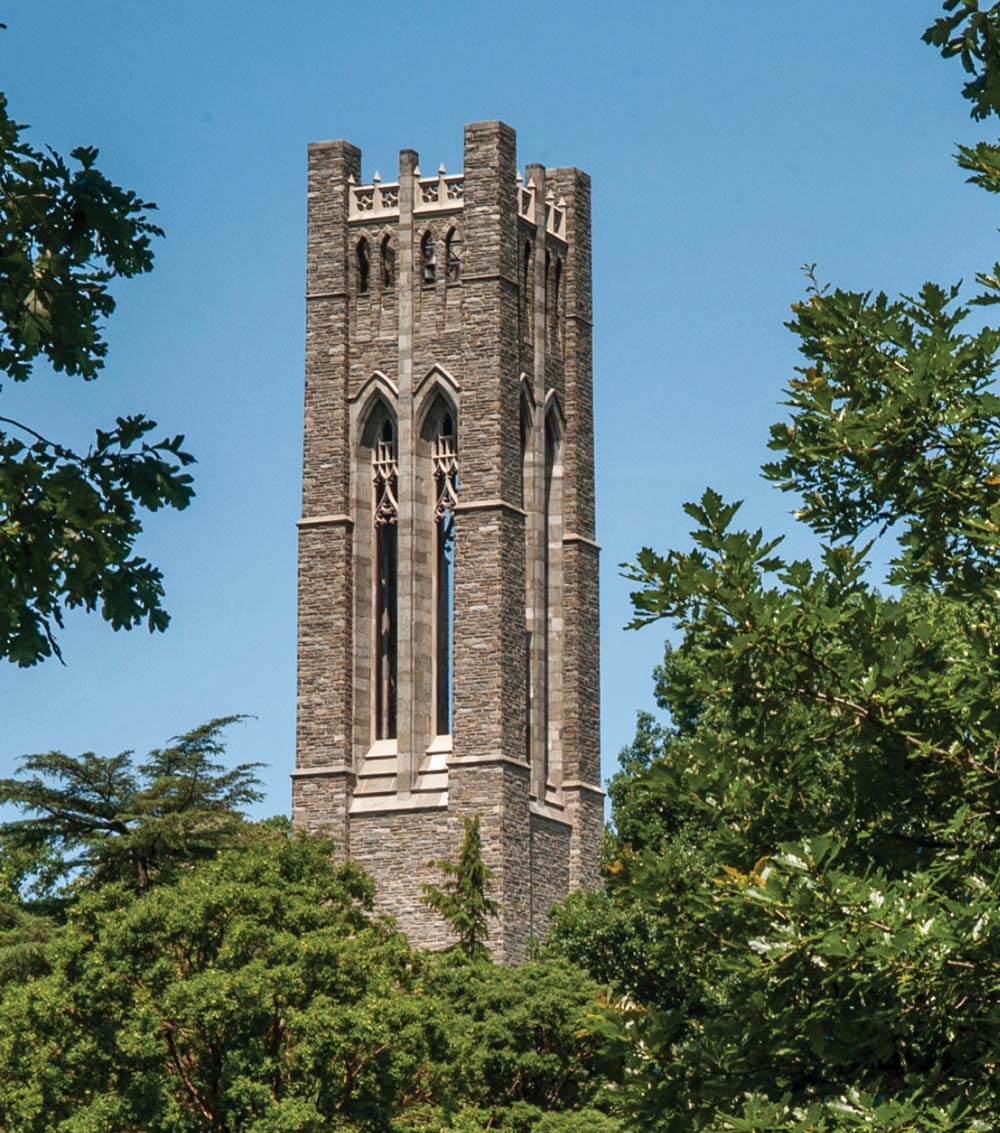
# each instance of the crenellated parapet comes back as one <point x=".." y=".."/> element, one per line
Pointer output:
<point x="446" y="193"/>
<point x="380" y="201"/>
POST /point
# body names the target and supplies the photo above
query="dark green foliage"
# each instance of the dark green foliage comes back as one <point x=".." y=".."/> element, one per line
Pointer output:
<point x="69" y="521"/>
<point x="803" y="881"/>
<point x="523" y="1053"/>
<point x="256" y="992"/>
<point x="116" y="820"/>
<point x="464" y="899"/>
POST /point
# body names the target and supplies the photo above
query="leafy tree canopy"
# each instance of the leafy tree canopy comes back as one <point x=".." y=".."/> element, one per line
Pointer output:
<point x="256" y="992"/>
<point x="69" y="520"/>
<point x="802" y="913"/>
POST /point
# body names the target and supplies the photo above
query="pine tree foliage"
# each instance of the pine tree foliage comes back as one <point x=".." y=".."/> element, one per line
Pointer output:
<point x="464" y="899"/>
<point x="107" y="817"/>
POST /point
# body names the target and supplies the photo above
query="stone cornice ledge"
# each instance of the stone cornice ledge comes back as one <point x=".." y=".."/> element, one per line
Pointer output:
<point x="325" y="521"/>
<point x="550" y="814"/>
<point x="580" y="785"/>
<point x="323" y="771"/>
<point x="575" y="537"/>
<point x="486" y="761"/>
<point x="489" y="505"/>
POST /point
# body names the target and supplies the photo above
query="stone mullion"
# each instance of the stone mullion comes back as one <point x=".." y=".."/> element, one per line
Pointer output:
<point x="408" y="712"/>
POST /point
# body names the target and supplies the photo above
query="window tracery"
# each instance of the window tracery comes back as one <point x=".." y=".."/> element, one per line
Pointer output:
<point x="428" y="259"/>
<point x="444" y="461"/>
<point x="385" y="523"/>
<point x="453" y="256"/>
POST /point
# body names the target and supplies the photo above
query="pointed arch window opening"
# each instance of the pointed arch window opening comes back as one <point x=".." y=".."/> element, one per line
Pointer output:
<point x="453" y="256"/>
<point x="364" y="266"/>
<point x="444" y="457"/>
<point x="529" y="696"/>
<point x="385" y="513"/>
<point x="428" y="260"/>
<point x="552" y="582"/>
<point x="388" y="264"/>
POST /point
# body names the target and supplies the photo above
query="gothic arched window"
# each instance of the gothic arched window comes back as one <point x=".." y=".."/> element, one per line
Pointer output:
<point x="552" y="559"/>
<point x="440" y="429"/>
<point x="428" y="259"/>
<point x="527" y="484"/>
<point x="388" y="263"/>
<point x="385" y="572"/>
<point x="453" y="256"/>
<point x="364" y="263"/>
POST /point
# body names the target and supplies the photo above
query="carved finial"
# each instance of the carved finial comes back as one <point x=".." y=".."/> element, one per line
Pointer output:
<point x="441" y="169"/>
<point x="550" y="198"/>
<point x="520" y="179"/>
<point x="561" y="202"/>
<point x="416" y="171"/>
<point x="350" y="179"/>
<point x="531" y="182"/>
<point x="376" y="178"/>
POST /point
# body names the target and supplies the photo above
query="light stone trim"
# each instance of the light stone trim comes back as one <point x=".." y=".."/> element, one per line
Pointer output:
<point x="491" y="760"/>
<point x="311" y="295"/>
<point x="378" y="201"/>
<point x="550" y="813"/>
<point x="378" y="381"/>
<point x="489" y="505"/>
<point x="555" y="211"/>
<point x="438" y="375"/>
<point x="325" y="772"/>
<point x="393" y="804"/>
<point x="575" y="537"/>
<point x="579" y="785"/>
<point x="325" y="521"/>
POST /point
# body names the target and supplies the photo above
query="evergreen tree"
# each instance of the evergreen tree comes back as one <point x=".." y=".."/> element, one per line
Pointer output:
<point x="464" y="899"/>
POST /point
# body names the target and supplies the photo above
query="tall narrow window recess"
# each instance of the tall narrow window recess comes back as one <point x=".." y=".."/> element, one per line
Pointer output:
<point x="453" y="256"/>
<point x="445" y="461"/>
<point x="556" y="308"/>
<point x="552" y="565"/>
<point x="527" y="291"/>
<point x="388" y="264"/>
<point x="428" y="260"/>
<point x="385" y="512"/>
<point x="364" y="265"/>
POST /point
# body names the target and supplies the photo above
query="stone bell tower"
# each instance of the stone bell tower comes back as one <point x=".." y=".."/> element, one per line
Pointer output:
<point x="448" y="620"/>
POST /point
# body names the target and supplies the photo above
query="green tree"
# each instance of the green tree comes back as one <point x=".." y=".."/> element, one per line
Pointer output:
<point x="522" y="1055"/>
<point x="255" y="992"/>
<point x="464" y="900"/>
<point x="106" y="818"/>
<point x="812" y="847"/>
<point x="69" y="520"/>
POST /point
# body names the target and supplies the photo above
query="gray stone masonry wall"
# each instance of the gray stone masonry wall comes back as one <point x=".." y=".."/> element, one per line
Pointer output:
<point x="525" y="587"/>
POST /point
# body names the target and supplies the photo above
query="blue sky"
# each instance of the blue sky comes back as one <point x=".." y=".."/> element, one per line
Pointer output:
<point x="728" y="144"/>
